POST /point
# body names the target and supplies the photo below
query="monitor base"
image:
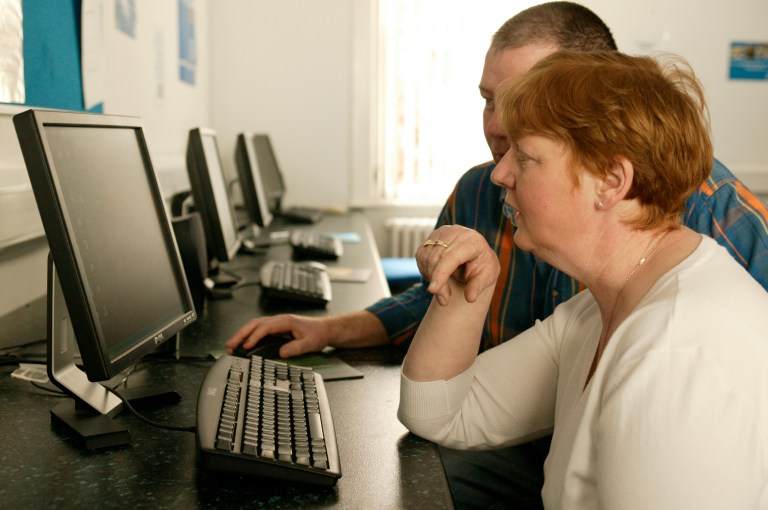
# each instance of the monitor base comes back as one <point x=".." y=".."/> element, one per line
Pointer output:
<point x="95" y="430"/>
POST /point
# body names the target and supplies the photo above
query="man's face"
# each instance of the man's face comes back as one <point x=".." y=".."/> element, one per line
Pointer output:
<point x="511" y="63"/>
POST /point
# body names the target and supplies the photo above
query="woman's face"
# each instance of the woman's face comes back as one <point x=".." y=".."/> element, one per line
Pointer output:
<point x="550" y="209"/>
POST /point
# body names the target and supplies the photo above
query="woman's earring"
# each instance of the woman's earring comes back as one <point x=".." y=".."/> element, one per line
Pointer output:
<point x="600" y="205"/>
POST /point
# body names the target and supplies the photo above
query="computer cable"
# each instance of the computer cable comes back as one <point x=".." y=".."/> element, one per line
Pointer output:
<point x="129" y="407"/>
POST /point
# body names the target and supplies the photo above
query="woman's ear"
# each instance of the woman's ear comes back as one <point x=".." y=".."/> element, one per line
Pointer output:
<point x="614" y="186"/>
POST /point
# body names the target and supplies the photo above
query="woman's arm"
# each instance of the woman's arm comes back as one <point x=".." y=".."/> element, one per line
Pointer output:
<point x="462" y="277"/>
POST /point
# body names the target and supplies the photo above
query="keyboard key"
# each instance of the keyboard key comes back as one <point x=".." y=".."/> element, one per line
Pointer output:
<point x="315" y="426"/>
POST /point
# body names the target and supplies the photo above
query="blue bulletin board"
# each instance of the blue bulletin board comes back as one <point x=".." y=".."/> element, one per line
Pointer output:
<point x="52" y="76"/>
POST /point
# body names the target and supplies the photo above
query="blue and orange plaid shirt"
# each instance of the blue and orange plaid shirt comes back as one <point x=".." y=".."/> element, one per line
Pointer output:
<point x="529" y="289"/>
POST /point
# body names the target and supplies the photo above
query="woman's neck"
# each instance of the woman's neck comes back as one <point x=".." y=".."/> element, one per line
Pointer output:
<point x="622" y="289"/>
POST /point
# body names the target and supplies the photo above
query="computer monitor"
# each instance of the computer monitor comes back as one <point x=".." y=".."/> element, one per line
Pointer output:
<point x="116" y="280"/>
<point x="250" y="178"/>
<point x="274" y="185"/>
<point x="211" y="196"/>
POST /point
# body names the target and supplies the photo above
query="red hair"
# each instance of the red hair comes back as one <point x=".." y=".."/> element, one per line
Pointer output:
<point x="603" y="105"/>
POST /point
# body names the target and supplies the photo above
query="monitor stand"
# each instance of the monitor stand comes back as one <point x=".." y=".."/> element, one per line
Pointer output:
<point x="219" y="283"/>
<point x="89" y="413"/>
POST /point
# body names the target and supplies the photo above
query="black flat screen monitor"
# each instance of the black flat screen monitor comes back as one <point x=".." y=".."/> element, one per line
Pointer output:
<point x="211" y="196"/>
<point x="114" y="256"/>
<point x="274" y="185"/>
<point x="251" y="184"/>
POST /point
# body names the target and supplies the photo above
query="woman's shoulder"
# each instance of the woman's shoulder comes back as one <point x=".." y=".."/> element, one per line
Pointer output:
<point x="708" y="310"/>
<point x="710" y="277"/>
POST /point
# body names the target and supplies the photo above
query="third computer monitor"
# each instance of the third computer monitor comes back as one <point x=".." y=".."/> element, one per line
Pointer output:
<point x="251" y="180"/>
<point x="274" y="186"/>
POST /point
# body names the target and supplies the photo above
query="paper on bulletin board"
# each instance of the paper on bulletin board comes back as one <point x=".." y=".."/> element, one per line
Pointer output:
<point x="92" y="52"/>
<point x="159" y="68"/>
<point x="749" y="61"/>
<point x="125" y="17"/>
<point x="187" y="50"/>
<point x="11" y="52"/>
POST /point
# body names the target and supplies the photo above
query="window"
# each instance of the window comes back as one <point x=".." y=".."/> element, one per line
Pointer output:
<point x="428" y="128"/>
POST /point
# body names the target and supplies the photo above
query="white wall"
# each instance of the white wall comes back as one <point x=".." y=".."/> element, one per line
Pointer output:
<point x="284" y="68"/>
<point x="136" y="68"/>
<point x="701" y="31"/>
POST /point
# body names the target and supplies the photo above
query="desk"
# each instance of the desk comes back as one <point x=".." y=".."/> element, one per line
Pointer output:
<point x="382" y="465"/>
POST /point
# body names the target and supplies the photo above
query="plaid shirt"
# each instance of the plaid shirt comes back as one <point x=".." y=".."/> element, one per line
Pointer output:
<point x="529" y="289"/>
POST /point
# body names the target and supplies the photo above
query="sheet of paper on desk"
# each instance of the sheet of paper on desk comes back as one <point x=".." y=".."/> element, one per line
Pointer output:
<point x="349" y="274"/>
<point x="345" y="237"/>
<point x="330" y="367"/>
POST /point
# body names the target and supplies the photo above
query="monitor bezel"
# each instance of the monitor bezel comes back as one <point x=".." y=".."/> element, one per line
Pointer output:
<point x="204" y="197"/>
<point x="251" y="184"/>
<point x="274" y="196"/>
<point x="98" y="364"/>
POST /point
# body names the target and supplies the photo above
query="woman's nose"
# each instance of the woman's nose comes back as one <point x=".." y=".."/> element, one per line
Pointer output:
<point x="502" y="174"/>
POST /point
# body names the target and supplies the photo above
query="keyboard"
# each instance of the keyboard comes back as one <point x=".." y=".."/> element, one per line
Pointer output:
<point x="302" y="214"/>
<point x="266" y="418"/>
<point x="301" y="282"/>
<point x="313" y="245"/>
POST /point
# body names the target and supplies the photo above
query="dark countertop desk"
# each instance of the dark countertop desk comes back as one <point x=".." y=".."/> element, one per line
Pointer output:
<point x="383" y="466"/>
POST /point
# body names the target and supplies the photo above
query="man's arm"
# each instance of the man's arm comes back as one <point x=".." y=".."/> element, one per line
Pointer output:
<point x="399" y="316"/>
<point x="312" y="334"/>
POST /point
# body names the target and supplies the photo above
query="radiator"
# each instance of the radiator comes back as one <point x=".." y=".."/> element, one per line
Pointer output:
<point x="406" y="234"/>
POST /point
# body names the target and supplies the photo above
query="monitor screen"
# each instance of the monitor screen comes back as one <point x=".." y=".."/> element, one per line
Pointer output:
<point x="251" y="184"/>
<point x="111" y="241"/>
<point x="210" y="192"/>
<point x="271" y="176"/>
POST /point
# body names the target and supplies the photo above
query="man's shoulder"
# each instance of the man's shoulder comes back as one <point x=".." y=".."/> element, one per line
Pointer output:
<point x="719" y="177"/>
<point x="720" y="186"/>
<point x="477" y="176"/>
<point x="475" y="200"/>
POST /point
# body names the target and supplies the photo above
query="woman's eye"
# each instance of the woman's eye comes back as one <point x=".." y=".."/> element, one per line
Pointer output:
<point x="522" y="158"/>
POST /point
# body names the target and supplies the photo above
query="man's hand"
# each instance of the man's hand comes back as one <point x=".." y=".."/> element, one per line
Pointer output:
<point x="309" y="334"/>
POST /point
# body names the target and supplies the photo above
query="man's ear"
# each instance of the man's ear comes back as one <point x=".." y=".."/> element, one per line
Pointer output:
<point x="614" y="186"/>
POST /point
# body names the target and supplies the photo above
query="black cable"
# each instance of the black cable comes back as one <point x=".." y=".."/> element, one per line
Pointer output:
<point x="181" y="428"/>
<point x="10" y="349"/>
<point x="55" y="391"/>
<point x="10" y="359"/>
<point x="245" y="283"/>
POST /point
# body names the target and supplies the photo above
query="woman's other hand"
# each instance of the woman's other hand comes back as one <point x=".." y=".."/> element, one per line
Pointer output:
<point x="461" y="254"/>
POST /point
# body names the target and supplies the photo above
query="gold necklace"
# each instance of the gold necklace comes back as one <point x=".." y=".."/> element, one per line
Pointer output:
<point x="601" y="341"/>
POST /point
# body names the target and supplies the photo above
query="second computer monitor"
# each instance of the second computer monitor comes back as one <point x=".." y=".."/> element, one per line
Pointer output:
<point x="210" y="192"/>
<point x="251" y="180"/>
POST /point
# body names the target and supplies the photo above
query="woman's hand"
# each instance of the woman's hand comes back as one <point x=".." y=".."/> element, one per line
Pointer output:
<point x="457" y="253"/>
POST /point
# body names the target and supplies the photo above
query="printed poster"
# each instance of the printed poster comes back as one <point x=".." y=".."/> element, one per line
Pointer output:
<point x="749" y="61"/>
<point x="187" y="53"/>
